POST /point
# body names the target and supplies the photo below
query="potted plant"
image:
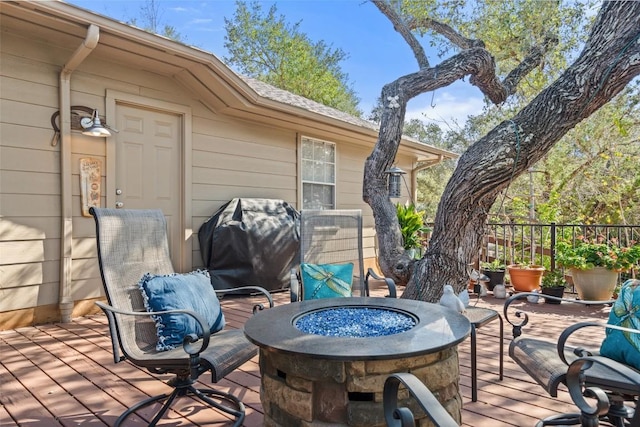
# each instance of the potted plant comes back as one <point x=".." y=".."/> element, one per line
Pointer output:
<point x="495" y="271"/>
<point x="412" y="228"/>
<point x="553" y="284"/>
<point x="595" y="264"/>
<point x="525" y="277"/>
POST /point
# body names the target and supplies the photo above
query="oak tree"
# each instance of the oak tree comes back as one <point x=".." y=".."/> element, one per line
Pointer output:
<point x="608" y="62"/>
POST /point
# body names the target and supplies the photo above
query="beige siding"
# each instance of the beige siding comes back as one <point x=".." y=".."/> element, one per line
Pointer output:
<point x="29" y="274"/>
<point x="29" y="182"/>
<point x="28" y="296"/>
<point x="231" y="158"/>
<point x="29" y="178"/>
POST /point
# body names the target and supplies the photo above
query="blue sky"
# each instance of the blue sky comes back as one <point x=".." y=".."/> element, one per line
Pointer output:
<point x="377" y="54"/>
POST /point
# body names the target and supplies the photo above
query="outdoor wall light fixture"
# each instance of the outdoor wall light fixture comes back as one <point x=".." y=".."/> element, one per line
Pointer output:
<point x="395" y="177"/>
<point x="92" y="126"/>
<point x="84" y="119"/>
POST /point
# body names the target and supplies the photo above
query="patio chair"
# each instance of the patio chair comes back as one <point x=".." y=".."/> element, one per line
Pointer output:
<point x="614" y="385"/>
<point x="334" y="237"/>
<point x="396" y="416"/>
<point x="132" y="243"/>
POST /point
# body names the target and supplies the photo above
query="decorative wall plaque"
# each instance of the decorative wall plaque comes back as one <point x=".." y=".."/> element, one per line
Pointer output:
<point x="90" y="181"/>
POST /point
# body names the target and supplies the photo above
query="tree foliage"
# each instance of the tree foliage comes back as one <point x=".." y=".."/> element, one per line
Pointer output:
<point x="267" y="48"/>
<point x="594" y="170"/>
<point x="589" y="176"/>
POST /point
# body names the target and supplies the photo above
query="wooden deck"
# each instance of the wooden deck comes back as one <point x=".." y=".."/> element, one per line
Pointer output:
<point x="63" y="374"/>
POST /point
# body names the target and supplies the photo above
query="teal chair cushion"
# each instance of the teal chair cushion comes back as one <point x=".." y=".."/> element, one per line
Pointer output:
<point x="326" y="280"/>
<point x="624" y="346"/>
<point x="191" y="291"/>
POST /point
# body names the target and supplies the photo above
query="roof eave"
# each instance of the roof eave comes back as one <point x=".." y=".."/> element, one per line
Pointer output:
<point x="232" y="95"/>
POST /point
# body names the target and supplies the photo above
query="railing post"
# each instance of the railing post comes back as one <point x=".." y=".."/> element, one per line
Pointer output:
<point x="553" y="246"/>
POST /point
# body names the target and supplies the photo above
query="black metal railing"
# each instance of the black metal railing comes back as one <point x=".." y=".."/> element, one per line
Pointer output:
<point x="536" y="243"/>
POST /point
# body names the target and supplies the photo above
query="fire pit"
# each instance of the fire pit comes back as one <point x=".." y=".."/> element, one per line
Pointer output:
<point x="319" y="363"/>
<point x="355" y="322"/>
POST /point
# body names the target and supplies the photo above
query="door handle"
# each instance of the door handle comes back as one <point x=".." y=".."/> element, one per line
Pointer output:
<point x="119" y="205"/>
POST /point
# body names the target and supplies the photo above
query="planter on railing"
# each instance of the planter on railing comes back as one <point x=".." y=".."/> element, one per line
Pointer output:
<point x="595" y="284"/>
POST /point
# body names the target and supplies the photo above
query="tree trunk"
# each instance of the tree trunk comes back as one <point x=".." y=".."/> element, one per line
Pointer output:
<point x="609" y="61"/>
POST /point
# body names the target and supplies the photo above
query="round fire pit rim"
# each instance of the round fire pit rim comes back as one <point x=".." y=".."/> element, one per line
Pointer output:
<point x="273" y="330"/>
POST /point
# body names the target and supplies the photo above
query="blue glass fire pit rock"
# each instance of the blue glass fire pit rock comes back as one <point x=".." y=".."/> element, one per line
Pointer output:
<point x="355" y="322"/>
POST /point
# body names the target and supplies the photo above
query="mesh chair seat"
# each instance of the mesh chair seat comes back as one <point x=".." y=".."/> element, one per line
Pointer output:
<point x="539" y="358"/>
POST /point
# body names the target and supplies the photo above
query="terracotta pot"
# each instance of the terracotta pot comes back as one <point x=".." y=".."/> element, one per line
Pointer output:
<point x="525" y="279"/>
<point x="596" y="284"/>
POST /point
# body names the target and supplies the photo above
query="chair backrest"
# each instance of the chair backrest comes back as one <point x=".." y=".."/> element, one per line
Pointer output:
<point x="130" y="244"/>
<point x="333" y="237"/>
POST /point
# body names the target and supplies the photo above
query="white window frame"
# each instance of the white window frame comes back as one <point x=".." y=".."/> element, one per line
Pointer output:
<point x="317" y="181"/>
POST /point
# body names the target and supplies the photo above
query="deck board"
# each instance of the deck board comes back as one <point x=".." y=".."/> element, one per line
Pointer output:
<point x="64" y="374"/>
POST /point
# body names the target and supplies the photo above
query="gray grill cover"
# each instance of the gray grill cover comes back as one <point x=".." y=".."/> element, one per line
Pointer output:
<point x="251" y="242"/>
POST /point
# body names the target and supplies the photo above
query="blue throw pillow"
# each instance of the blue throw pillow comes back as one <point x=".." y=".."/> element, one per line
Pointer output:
<point x="326" y="280"/>
<point x="192" y="291"/>
<point x="621" y="346"/>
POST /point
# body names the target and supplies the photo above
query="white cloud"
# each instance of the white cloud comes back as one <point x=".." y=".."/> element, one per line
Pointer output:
<point x="444" y="108"/>
<point x="201" y="21"/>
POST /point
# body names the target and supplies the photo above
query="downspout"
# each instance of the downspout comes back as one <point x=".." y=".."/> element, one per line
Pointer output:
<point x="65" y="299"/>
<point x="414" y="175"/>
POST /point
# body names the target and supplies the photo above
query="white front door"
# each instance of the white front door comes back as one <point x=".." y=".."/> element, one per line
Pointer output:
<point x="148" y="166"/>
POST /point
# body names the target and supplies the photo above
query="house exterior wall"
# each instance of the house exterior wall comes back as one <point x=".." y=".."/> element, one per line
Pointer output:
<point x="229" y="158"/>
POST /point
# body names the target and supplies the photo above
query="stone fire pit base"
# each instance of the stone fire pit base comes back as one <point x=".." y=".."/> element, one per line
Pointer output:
<point x="309" y="392"/>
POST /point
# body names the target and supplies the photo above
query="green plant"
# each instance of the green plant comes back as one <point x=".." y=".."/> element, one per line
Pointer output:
<point x="411" y="225"/>
<point x="495" y="265"/>
<point x="525" y="266"/>
<point x="590" y="253"/>
<point x="553" y="279"/>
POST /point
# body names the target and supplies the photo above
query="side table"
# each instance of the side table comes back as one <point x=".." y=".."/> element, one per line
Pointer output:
<point x="479" y="317"/>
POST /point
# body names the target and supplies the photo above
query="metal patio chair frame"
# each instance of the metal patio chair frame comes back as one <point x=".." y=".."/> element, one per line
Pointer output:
<point x="131" y="243"/>
<point x="334" y="236"/>
<point x="402" y="416"/>
<point x="615" y="386"/>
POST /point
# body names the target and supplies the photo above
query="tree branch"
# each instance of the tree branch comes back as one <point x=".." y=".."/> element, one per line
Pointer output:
<point x="531" y="61"/>
<point x="484" y="76"/>
<point x="445" y="30"/>
<point x="497" y="91"/>
<point x="400" y="26"/>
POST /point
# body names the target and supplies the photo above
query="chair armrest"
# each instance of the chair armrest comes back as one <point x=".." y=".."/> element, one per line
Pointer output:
<point x="389" y="282"/>
<point x="258" y="289"/>
<point x="187" y="344"/>
<point x="580" y="352"/>
<point x="575" y="375"/>
<point x="403" y="417"/>
<point x="564" y="336"/>
<point x="517" y="326"/>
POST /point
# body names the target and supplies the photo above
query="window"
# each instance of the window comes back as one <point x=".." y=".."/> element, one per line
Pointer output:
<point x="318" y="174"/>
